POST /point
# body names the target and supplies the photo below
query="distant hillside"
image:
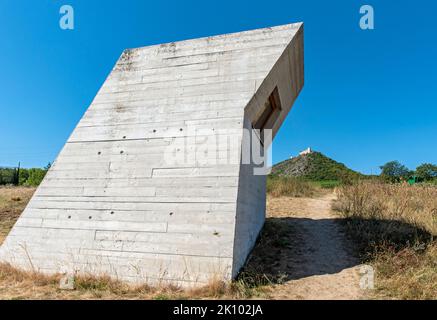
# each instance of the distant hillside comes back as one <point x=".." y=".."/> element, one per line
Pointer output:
<point x="314" y="166"/>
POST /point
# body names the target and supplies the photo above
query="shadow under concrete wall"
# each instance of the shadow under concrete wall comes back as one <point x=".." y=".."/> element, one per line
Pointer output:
<point x="294" y="248"/>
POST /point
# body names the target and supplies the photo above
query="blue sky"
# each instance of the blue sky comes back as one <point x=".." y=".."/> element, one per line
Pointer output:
<point x="369" y="97"/>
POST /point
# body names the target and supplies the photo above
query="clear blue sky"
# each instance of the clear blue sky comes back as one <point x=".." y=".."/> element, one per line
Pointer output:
<point x="369" y="96"/>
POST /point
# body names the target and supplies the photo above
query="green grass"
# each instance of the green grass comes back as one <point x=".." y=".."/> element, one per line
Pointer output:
<point x="326" y="184"/>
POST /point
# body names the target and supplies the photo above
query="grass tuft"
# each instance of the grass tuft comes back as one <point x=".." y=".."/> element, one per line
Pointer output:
<point x="394" y="226"/>
<point x="289" y="187"/>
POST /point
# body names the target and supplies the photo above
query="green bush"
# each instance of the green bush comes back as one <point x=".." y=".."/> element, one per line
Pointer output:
<point x="7" y="176"/>
<point x="427" y="171"/>
<point x="24" y="175"/>
<point x="329" y="184"/>
<point x="35" y="176"/>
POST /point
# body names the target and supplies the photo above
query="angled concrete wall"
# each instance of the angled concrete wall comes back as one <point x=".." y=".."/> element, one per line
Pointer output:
<point x="287" y="76"/>
<point x="114" y="202"/>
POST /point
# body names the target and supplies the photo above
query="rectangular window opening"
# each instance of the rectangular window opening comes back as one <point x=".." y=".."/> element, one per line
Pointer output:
<point x="269" y="115"/>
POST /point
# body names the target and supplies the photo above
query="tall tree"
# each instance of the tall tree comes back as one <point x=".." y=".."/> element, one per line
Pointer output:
<point x="427" y="171"/>
<point x="394" y="171"/>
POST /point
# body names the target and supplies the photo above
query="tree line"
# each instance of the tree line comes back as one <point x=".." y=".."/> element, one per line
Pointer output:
<point x="22" y="176"/>
<point x="394" y="171"/>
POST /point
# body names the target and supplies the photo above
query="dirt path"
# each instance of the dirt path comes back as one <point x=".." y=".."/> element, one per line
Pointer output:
<point x="318" y="262"/>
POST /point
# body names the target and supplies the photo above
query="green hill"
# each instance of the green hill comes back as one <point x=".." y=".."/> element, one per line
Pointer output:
<point x="314" y="166"/>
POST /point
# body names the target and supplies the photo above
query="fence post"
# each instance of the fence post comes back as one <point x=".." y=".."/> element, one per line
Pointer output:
<point x="17" y="178"/>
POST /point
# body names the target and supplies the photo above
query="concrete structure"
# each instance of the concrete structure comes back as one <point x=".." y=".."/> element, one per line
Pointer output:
<point x="112" y="203"/>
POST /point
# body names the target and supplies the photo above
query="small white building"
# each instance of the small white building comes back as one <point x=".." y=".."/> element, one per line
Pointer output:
<point x="306" y="151"/>
<point x="112" y="203"/>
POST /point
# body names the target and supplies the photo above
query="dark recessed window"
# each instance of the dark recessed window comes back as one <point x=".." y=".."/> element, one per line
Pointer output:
<point x="269" y="114"/>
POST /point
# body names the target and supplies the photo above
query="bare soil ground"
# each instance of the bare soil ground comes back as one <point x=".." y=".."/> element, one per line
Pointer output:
<point x="318" y="261"/>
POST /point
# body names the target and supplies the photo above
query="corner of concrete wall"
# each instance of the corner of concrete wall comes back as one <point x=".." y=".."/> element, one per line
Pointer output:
<point x="250" y="213"/>
<point x="287" y="75"/>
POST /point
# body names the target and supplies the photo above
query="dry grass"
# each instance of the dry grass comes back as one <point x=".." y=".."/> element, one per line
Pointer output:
<point x="394" y="226"/>
<point x="253" y="282"/>
<point x="16" y="284"/>
<point x="410" y="273"/>
<point x="289" y="187"/>
<point x="12" y="203"/>
<point x="415" y="205"/>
